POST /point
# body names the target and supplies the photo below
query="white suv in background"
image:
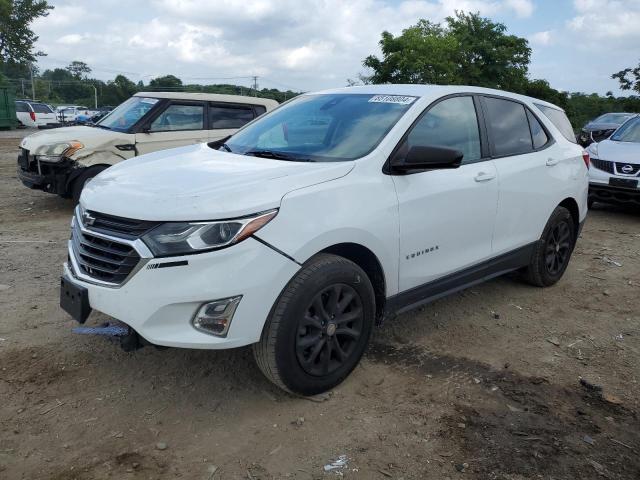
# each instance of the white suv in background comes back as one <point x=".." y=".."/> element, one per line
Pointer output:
<point x="35" y="114"/>
<point x="321" y="218"/>
<point x="615" y="176"/>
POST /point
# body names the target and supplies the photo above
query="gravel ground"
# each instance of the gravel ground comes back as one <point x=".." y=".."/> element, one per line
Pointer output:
<point x="484" y="384"/>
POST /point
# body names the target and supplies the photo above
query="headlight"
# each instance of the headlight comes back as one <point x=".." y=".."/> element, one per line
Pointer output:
<point x="593" y="150"/>
<point x="54" y="152"/>
<point x="181" y="238"/>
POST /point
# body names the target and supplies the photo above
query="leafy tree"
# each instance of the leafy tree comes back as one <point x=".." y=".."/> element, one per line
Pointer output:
<point x="168" y="81"/>
<point x="78" y="70"/>
<point x="16" y="37"/>
<point x="629" y="78"/>
<point x="468" y="49"/>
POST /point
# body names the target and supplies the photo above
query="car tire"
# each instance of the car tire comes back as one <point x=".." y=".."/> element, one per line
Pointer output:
<point x="82" y="179"/>
<point x="590" y="202"/>
<point x="553" y="251"/>
<point x="319" y="327"/>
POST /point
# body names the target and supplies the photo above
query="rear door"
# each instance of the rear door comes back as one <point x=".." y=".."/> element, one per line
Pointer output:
<point x="226" y="118"/>
<point x="23" y="112"/>
<point x="446" y="215"/>
<point x="530" y="172"/>
<point x="179" y="123"/>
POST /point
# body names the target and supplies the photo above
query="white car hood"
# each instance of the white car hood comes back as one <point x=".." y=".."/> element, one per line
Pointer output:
<point x="90" y="137"/>
<point x="199" y="183"/>
<point x="624" y="152"/>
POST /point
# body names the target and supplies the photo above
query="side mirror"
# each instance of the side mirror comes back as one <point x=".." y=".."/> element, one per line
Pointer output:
<point x="427" y="157"/>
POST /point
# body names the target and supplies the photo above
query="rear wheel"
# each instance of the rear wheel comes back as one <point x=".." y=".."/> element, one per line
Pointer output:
<point x="553" y="251"/>
<point x="319" y="327"/>
<point x="82" y="179"/>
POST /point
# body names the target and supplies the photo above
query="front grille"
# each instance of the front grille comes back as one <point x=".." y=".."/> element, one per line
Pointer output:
<point x="603" y="165"/>
<point x="632" y="171"/>
<point x="125" y="227"/>
<point x="105" y="260"/>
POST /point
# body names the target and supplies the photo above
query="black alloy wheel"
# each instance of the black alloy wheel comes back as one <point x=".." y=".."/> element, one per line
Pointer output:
<point x="558" y="248"/>
<point x="329" y="330"/>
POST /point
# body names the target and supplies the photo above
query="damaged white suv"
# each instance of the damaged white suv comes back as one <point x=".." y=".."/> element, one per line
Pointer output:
<point x="323" y="217"/>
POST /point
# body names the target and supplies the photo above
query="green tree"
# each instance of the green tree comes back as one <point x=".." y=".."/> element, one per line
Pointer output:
<point x="468" y="49"/>
<point x="78" y="70"/>
<point x="16" y="37"/>
<point x="629" y="78"/>
<point x="168" y="81"/>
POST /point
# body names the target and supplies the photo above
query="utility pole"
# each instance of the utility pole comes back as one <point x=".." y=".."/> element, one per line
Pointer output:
<point x="22" y="83"/>
<point x="255" y="86"/>
<point x="33" y="87"/>
<point x="95" y="96"/>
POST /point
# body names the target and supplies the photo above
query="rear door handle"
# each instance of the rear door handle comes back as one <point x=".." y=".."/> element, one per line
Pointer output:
<point x="484" y="177"/>
<point x="552" y="161"/>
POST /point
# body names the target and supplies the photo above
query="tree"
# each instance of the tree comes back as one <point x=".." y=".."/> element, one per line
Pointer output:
<point x="629" y="78"/>
<point x="16" y="38"/>
<point x="168" y="81"/>
<point x="468" y="49"/>
<point x="78" y="70"/>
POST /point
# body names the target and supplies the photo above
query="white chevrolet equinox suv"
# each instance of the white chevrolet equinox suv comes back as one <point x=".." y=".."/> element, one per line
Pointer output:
<point x="318" y="220"/>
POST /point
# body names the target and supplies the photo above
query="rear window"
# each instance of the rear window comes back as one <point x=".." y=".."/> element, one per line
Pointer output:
<point x="22" y="107"/>
<point x="41" y="108"/>
<point x="229" y="116"/>
<point x="560" y="120"/>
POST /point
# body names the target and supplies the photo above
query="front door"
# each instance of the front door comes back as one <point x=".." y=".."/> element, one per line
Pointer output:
<point x="446" y="216"/>
<point x="179" y="124"/>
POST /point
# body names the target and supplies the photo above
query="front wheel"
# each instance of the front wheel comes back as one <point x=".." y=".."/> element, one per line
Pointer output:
<point x="82" y="180"/>
<point x="552" y="252"/>
<point x="319" y="327"/>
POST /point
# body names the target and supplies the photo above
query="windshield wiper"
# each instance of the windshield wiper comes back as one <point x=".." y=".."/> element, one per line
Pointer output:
<point x="276" y="155"/>
<point x="226" y="147"/>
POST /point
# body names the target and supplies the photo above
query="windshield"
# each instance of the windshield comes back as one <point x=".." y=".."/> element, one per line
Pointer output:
<point x="125" y="115"/>
<point x="331" y="127"/>
<point x="629" y="132"/>
<point x="618" y="118"/>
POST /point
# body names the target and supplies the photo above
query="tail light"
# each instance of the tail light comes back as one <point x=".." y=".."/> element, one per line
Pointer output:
<point x="33" y="116"/>
<point x="585" y="157"/>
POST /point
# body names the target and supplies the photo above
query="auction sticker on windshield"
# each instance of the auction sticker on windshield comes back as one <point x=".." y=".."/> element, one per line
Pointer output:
<point x="400" y="99"/>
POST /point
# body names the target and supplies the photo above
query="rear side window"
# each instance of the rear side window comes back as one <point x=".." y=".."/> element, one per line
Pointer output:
<point x="509" y="127"/>
<point x="41" y="108"/>
<point x="450" y="123"/>
<point x="538" y="134"/>
<point x="259" y="109"/>
<point x="229" y="116"/>
<point x="560" y="120"/>
<point x="22" y="107"/>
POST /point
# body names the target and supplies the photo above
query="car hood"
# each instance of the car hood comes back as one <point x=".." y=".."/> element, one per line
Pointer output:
<point x="199" y="183"/>
<point x="90" y="137"/>
<point x="624" y="152"/>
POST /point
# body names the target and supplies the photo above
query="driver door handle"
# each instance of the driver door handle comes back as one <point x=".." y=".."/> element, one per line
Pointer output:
<point x="484" y="177"/>
<point x="552" y="161"/>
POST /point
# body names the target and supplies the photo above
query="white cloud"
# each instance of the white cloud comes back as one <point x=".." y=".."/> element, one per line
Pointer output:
<point x="606" y="20"/>
<point x="71" y="39"/>
<point x="522" y="8"/>
<point x="542" y="39"/>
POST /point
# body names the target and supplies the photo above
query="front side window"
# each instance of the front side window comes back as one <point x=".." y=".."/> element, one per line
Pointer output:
<point x="325" y="127"/>
<point x="508" y="127"/>
<point x="629" y="132"/>
<point x="179" y="117"/>
<point x="559" y="120"/>
<point x="127" y="114"/>
<point x="451" y="123"/>
<point x="229" y="116"/>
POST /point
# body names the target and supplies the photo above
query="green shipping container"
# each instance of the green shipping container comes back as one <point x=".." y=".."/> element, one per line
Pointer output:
<point x="8" y="117"/>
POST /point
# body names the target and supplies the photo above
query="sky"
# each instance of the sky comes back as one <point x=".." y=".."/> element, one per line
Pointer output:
<point x="308" y="45"/>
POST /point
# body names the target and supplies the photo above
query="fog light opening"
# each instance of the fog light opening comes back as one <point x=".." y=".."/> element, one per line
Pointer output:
<point x="215" y="317"/>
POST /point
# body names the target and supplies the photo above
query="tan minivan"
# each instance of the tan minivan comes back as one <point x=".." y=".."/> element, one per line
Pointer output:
<point x="63" y="160"/>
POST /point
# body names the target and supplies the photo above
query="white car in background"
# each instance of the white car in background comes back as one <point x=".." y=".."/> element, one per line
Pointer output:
<point x="35" y="114"/>
<point x="68" y="114"/>
<point x="313" y="223"/>
<point x="615" y="176"/>
<point x="63" y="160"/>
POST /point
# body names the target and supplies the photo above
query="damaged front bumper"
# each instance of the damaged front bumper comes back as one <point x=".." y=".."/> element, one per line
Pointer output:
<point x="49" y="177"/>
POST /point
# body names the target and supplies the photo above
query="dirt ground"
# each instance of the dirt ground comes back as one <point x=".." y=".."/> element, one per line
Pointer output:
<point x="484" y="384"/>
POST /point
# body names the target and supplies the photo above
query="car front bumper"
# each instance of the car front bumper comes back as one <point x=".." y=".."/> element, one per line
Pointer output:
<point x="601" y="190"/>
<point x="49" y="177"/>
<point x="160" y="303"/>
